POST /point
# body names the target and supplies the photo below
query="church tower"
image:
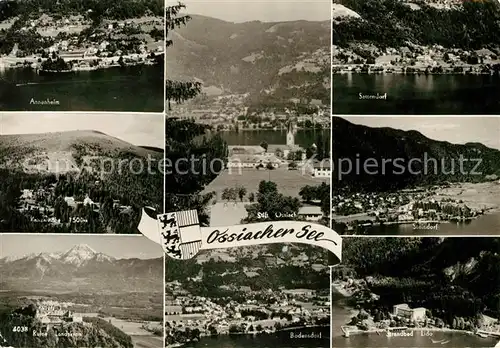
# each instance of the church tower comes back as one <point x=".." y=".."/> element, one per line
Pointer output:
<point x="290" y="134"/>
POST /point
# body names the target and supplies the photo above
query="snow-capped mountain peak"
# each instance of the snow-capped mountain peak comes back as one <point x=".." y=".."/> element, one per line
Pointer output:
<point x="78" y="254"/>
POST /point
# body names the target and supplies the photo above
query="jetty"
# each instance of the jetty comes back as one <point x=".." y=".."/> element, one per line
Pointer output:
<point x="398" y="328"/>
<point x="489" y="333"/>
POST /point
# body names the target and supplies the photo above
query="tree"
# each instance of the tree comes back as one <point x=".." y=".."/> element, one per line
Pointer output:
<point x="264" y="145"/>
<point x="274" y="203"/>
<point x="269" y="166"/>
<point x="176" y="90"/>
<point x="242" y="191"/>
<point x="229" y="194"/>
<point x="185" y="180"/>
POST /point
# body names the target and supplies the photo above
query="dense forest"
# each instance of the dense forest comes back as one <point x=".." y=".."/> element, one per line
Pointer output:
<point x="95" y="9"/>
<point x="358" y="147"/>
<point x="392" y="23"/>
<point x="117" y="199"/>
<point x="451" y="277"/>
<point x="271" y="275"/>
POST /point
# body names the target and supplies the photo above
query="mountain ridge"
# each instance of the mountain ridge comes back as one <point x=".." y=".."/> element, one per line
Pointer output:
<point x="247" y="57"/>
<point x="352" y="141"/>
<point x="80" y="266"/>
<point x="37" y="151"/>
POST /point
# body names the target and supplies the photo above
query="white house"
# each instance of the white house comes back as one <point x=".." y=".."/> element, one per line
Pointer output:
<point x="322" y="170"/>
<point x="27" y="194"/>
<point x="70" y="201"/>
<point x="404" y="311"/>
<point x="88" y="201"/>
<point x="310" y="213"/>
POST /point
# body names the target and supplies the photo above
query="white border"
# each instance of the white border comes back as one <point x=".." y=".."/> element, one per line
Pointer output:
<point x="331" y="161"/>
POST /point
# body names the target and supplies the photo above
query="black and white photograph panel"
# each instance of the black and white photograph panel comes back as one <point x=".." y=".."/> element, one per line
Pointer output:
<point x="428" y="57"/>
<point x="78" y="55"/>
<point x="248" y="105"/>
<point x="261" y="296"/>
<point x="417" y="293"/>
<point x="79" y="172"/>
<point x="64" y="291"/>
<point x="412" y="175"/>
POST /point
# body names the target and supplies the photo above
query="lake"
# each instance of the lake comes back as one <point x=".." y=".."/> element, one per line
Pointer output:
<point x="304" y="138"/>
<point x="276" y="340"/>
<point x="133" y="89"/>
<point x="416" y="94"/>
<point x="420" y="340"/>
<point x="488" y="224"/>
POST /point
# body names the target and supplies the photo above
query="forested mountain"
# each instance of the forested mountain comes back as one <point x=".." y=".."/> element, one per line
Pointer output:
<point x="410" y="158"/>
<point x="272" y="61"/>
<point x="451" y="277"/>
<point x="94" y="332"/>
<point x="471" y="25"/>
<point x="95" y="9"/>
<point x="79" y="181"/>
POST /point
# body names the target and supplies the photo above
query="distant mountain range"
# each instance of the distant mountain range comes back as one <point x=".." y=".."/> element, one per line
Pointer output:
<point x="352" y="143"/>
<point x="281" y="60"/>
<point x="80" y="269"/>
<point x="64" y="151"/>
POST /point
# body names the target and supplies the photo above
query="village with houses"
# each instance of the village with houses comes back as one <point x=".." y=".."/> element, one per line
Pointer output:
<point x="426" y="206"/>
<point x="412" y="59"/>
<point x="287" y="165"/>
<point x="230" y="113"/>
<point x="252" y="309"/>
<point x="75" y="43"/>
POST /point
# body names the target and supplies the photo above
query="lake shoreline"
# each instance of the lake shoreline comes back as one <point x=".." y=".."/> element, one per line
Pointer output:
<point x="254" y="333"/>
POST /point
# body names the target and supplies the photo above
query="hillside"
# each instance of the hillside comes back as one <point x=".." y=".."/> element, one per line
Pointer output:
<point x="352" y="142"/>
<point x="93" y="332"/>
<point x="430" y="273"/>
<point x="81" y="269"/>
<point x="51" y="179"/>
<point x="469" y="24"/>
<point x="280" y="60"/>
<point x="62" y="151"/>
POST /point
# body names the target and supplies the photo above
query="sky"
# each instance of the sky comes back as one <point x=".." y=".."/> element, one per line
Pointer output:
<point x="137" y="129"/>
<point x="263" y="10"/>
<point x="118" y="246"/>
<point x="456" y="130"/>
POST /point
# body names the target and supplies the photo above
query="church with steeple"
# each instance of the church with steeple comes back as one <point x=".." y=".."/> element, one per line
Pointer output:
<point x="290" y="146"/>
<point x="290" y="134"/>
<point x="256" y="155"/>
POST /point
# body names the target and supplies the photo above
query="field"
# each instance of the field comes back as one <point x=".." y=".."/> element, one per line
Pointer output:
<point x="147" y="342"/>
<point x="475" y="196"/>
<point x="289" y="181"/>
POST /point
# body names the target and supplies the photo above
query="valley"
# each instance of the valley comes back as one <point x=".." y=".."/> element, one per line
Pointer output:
<point x="81" y="294"/>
